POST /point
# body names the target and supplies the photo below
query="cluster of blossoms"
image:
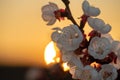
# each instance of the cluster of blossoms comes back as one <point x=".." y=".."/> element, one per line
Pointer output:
<point x="96" y="58"/>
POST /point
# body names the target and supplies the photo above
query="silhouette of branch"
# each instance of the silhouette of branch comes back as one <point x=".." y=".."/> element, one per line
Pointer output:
<point x="69" y="16"/>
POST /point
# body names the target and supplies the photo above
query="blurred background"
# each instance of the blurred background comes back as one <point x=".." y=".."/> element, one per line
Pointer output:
<point x="24" y="35"/>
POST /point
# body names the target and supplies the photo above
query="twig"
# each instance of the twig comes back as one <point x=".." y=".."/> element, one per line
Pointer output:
<point x="70" y="17"/>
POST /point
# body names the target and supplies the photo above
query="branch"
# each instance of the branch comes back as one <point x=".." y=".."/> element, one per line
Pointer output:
<point x="70" y="17"/>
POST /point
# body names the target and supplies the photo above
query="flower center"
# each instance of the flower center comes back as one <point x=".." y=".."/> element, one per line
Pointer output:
<point x="100" y="50"/>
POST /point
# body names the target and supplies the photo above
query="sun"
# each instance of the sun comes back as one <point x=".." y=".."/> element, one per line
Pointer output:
<point x="50" y="56"/>
<point x="50" y="53"/>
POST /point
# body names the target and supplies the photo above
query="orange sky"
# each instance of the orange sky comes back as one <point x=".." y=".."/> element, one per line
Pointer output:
<point x="24" y="34"/>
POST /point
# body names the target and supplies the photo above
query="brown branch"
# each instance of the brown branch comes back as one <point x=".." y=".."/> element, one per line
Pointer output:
<point x="70" y="17"/>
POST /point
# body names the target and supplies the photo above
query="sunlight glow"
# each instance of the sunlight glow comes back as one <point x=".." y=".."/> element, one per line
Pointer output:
<point x="50" y="56"/>
<point x="50" y="53"/>
<point x="65" y="67"/>
<point x="95" y="65"/>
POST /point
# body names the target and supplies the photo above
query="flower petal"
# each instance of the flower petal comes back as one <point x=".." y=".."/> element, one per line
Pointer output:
<point x="48" y="13"/>
<point x="93" y="11"/>
<point x="55" y="36"/>
<point x="90" y="10"/>
<point x="108" y="72"/>
<point x="99" y="25"/>
<point x="106" y="29"/>
<point x="86" y="73"/>
<point x="99" y="48"/>
<point x="52" y="21"/>
<point x="85" y="6"/>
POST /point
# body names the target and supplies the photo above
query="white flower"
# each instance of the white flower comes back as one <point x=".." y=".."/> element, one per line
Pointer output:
<point x="116" y="50"/>
<point x="90" y="10"/>
<point x="86" y="73"/>
<point x="69" y="38"/>
<point x="99" y="25"/>
<point x="99" y="48"/>
<point x="108" y="72"/>
<point x="48" y="13"/>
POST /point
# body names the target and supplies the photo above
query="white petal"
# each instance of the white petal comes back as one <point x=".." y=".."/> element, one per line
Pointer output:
<point x="49" y="7"/>
<point x="99" y="25"/>
<point x="67" y="55"/>
<point x="115" y="46"/>
<point x="47" y="17"/>
<point x="55" y="7"/>
<point x="76" y="60"/>
<point x="106" y="29"/>
<point x="90" y="10"/>
<point x="52" y="21"/>
<point x="96" y="23"/>
<point x="91" y="22"/>
<point x="108" y="36"/>
<point x="76" y="41"/>
<point x="76" y="72"/>
<point x="55" y="36"/>
<point x="93" y="11"/>
<point x="45" y="8"/>
<point x="85" y="6"/>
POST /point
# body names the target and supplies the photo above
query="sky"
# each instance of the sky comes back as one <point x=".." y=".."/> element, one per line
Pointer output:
<point x="24" y="35"/>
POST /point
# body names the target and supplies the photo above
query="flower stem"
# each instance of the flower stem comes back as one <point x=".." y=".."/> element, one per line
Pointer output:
<point x="70" y="17"/>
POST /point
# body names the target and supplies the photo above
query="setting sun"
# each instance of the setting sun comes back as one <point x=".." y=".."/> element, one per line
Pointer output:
<point x="50" y="56"/>
<point x="50" y="53"/>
